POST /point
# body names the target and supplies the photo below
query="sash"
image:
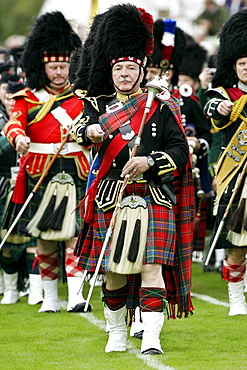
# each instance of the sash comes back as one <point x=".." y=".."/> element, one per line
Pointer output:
<point x="110" y="122"/>
<point x="115" y="146"/>
<point x="235" y="153"/>
<point x="43" y="94"/>
<point x="233" y="158"/>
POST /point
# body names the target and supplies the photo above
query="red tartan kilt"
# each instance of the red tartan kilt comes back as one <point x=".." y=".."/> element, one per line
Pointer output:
<point x="161" y="238"/>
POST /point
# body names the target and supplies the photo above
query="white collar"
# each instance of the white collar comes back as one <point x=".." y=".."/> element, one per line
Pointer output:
<point x="242" y="86"/>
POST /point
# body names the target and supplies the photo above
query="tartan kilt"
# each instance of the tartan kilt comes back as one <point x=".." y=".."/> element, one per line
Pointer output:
<point x="222" y="242"/>
<point x="61" y="164"/>
<point x="12" y="246"/>
<point x="161" y="237"/>
<point x="201" y="227"/>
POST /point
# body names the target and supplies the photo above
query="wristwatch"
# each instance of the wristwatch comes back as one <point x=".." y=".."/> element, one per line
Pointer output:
<point x="150" y="161"/>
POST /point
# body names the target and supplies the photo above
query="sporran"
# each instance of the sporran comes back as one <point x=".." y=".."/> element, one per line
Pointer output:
<point x="129" y="236"/>
<point x="54" y="219"/>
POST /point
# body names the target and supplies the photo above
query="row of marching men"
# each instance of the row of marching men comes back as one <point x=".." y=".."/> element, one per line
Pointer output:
<point x="182" y="62"/>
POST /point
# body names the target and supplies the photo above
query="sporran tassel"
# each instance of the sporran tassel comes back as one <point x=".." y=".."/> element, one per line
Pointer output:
<point x="60" y="222"/>
<point x="120" y="241"/>
<point x="43" y="223"/>
<point x="135" y="241"/>
<point x="57" y="217"/>
<point x="129" y="236"/>
<point x="235" y="223"/>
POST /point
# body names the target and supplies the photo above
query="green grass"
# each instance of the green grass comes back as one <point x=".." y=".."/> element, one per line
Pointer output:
<point x="209" y="339"/>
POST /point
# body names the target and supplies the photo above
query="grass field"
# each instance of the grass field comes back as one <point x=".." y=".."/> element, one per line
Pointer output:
<point x="209" y="339"/>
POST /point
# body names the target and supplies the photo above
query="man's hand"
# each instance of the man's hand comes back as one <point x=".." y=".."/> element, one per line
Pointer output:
<point x="225" y="107"/>
<point x="22" y="144"/>
<point x="194" y="143"/>
<point x="95" y="133"/>
<point x="135" y="166"/>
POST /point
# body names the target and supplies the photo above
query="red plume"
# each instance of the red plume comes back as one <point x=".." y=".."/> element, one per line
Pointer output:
<point x="149" y="22"/>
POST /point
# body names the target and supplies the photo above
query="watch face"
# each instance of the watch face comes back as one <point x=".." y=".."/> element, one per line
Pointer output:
<point x="150" y="161"/>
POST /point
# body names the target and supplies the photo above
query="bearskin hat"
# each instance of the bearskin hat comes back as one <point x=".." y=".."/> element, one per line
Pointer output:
<point x="123" y="32"/>
<point x="51" y="39"/>
<point x="232" y="46"/>
<point x="194" y="58"/>
<point x="169" y="44"/>
<point x="85" y="58"/>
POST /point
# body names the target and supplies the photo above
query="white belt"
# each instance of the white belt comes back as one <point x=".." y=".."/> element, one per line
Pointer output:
<point x="53" y="147"/>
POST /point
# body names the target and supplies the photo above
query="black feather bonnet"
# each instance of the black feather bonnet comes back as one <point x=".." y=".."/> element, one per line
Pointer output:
<point x="232" y="46"/>
<point x="51" y="39"/>
<point x="123" y="31"/>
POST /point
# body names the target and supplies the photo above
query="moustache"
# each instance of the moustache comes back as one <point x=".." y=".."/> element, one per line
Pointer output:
<point x="124" y="80"/>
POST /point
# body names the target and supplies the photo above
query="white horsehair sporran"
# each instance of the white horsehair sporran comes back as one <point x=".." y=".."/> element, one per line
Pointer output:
<point x="55" y="219"/>
<point x="129" y="236"/>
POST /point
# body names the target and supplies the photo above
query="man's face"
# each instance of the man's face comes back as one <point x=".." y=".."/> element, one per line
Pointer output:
<point x="186" y="80"/>
<point x="241" y="69"/>
<point x="152" y="72"/>
<point x="124" y="75"/>
<point x="58" y="74"/>
<point x="3" y="88"/>
<point x="9" y="103"/>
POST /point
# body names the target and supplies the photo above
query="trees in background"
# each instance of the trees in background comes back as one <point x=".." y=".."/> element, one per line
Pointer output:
<point x="16" y="16"/>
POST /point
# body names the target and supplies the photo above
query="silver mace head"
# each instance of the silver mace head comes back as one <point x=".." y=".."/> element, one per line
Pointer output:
<point x="154" y="86"/>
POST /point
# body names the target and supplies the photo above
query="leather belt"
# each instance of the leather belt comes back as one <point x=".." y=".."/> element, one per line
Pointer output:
<point x="53" y="147"/>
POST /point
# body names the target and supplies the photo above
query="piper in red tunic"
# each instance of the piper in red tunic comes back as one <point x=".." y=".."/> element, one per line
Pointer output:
<point x="42" y="116"/>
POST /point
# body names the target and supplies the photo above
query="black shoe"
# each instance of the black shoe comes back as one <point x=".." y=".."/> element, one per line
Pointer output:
<point x="209" y="268"/>
<point x="80" y="307"/>
<point x="138" y="335"/>
<point x="152" y="351"/>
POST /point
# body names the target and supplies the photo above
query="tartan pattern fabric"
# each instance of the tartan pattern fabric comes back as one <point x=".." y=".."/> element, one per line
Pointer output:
<point x="161" y="228"/>
<point x="223" y="242"/>
<point x="60" y="98"/>
<point x="201" y="227"/>
<point x="174" y="107"/>
<point x="4" y="145"/>
<point x="233" y="272"/>
<point x="111" y="121"/>
<point x="71" y="264"/>
<point x="152" y="299"/>
<point x="32" y="266"/>
<point x="48" y="265"/>
<point x="178" y="277"/>
<point x="115" y="299"/>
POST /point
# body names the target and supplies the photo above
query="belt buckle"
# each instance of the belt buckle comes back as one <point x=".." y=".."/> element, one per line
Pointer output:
<point x="64" y="149"/>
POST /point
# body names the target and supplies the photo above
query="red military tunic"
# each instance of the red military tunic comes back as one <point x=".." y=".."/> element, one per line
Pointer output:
<point x="49" y="129"/>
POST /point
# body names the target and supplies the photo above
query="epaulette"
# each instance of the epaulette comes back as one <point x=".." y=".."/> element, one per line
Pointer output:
<point x="80" y="93"/>
<point x="219" y="91"/>
<point x="94" y="100"/>
<point x="20" y="93"/>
